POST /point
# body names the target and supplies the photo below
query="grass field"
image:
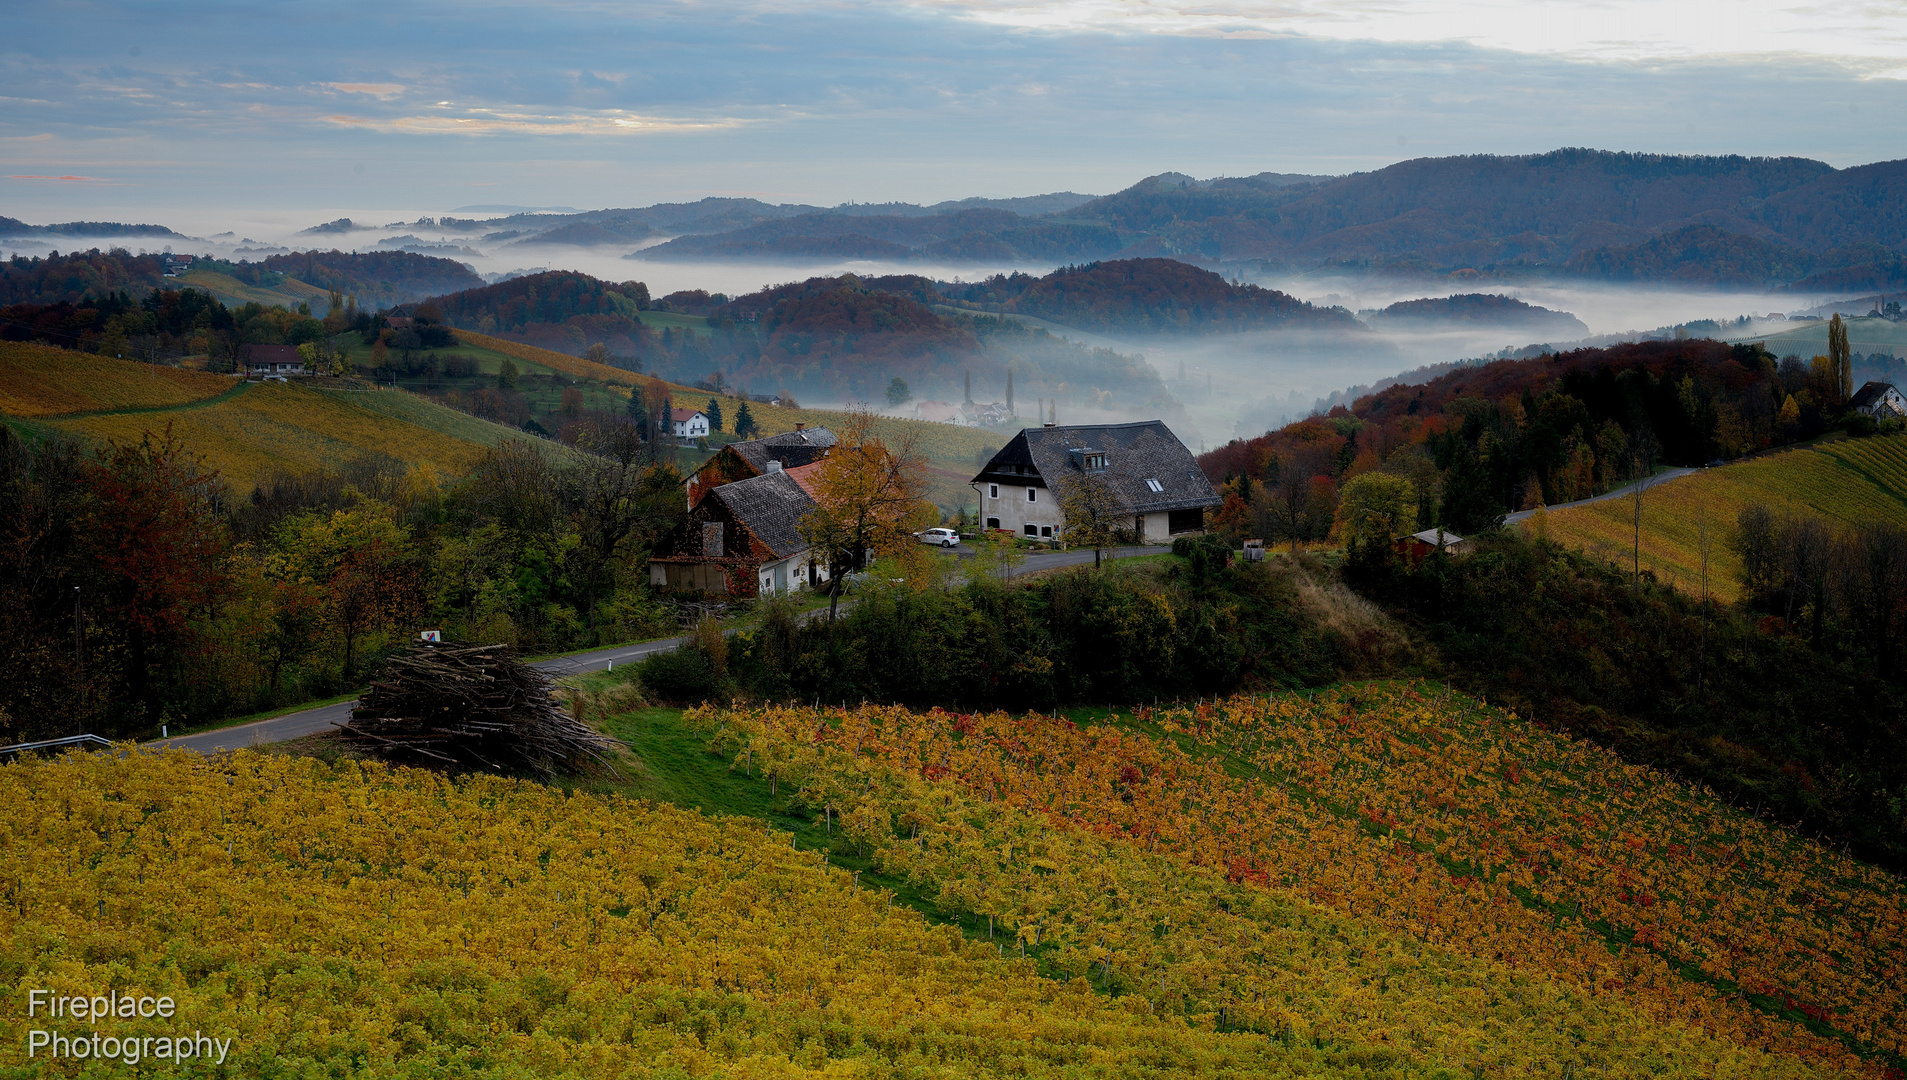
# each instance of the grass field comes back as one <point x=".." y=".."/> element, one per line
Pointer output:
<point x="1848" y="481"/>
<point x="38" y="380"/>
<point x="230" y="289"/>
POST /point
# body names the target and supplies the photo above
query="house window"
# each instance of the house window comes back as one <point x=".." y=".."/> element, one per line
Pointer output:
<point x="1032" y="494"/>
<point x="1046" y="530"/>
<point x="993" y="523"/>
<point x="993" y="491"/>
<point x="1155" y="485"/>
<point x="711" y="538"/>
<point x="1032" y="529"/>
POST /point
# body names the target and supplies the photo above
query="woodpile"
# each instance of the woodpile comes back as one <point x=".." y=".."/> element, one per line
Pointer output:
<point x="473" y="707"/>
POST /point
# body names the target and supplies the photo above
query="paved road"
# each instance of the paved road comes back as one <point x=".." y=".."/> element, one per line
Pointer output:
<point x="1620" y="493"/>
<point x="310" y="721"/>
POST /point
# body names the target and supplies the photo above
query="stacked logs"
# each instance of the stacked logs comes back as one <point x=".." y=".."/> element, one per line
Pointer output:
<point x="473" y="707"/>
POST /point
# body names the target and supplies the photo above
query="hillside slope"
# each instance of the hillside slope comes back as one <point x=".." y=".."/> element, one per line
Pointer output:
<point x="246" y="431"/>
<point x="1847" y="481"/>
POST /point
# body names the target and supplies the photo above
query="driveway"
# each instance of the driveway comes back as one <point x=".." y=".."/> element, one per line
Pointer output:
<point x="1662" y="477"/>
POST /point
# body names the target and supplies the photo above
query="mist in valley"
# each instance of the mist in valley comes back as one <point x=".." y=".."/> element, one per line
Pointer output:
<point x="1229" y="385"/>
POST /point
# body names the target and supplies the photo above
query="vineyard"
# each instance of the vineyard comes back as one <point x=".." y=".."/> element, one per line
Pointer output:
<point x="1332" y="865"/>
<point x="357" y="920"/>
<point x="1847" y="481"/>
<point x="298" y="429"/>
<point x="37" y="381"/>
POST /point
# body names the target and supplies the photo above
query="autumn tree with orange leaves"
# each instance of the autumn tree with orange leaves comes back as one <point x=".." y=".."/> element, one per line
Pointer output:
<point x="868" y="502"/>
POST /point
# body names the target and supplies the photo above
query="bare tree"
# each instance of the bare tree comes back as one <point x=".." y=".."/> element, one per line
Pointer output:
<point x="1096" y="516"/>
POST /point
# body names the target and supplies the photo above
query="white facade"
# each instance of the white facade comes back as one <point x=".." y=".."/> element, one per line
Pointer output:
<point x="1028" y="511"/>
<point x="1890" y="405"/>
<point x="792" y="574"/>
<point x="694" y="427"/>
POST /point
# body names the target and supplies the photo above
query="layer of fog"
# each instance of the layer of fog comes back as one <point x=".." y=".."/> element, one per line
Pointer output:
<point x="1230" y="385"/>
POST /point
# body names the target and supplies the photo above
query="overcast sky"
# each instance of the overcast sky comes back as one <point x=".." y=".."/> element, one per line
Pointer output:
<point x="116" y="109"/>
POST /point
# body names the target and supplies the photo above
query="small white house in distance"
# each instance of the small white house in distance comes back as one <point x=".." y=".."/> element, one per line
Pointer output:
<point x="271" y="362"/>
<point x="1879" y="400"/>
<point x="688" y="423"/>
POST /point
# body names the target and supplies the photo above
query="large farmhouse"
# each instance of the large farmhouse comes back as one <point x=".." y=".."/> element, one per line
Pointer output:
<point x="1149" y="469"/>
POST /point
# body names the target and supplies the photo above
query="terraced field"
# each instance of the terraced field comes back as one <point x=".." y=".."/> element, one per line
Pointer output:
<point x="1848" y="481"/>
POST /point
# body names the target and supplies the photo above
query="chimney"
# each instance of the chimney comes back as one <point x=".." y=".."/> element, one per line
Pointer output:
<point x="799" y="426"/>
<point x="774" y="465"/>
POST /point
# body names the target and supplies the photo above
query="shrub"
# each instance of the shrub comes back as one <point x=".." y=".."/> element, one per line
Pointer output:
<point x="686" y="674"/>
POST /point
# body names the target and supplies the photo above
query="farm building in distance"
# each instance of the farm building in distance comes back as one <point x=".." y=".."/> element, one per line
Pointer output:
<point x="1879" y="400"/>
<point x="271" y="361"/>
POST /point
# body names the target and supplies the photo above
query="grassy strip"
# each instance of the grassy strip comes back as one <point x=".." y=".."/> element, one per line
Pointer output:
<point x="220" y="398"/>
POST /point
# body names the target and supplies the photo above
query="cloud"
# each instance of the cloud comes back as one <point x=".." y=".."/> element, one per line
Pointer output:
<point x="382" y="90"/>
<point x="67" y="179"/>
<point x="506" y="122"/>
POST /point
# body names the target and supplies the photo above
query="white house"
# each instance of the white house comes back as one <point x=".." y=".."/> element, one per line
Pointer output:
<point x="271" y="362"/>
<point x="1153" y="473"/>
<point x="1879" y="400"/>
<point x="688" y="423"/>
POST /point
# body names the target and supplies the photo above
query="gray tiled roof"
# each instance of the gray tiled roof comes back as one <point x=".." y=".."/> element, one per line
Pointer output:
<point x="771" y="506"/>
<point x="1134" y="453"/>
<point x="793" y="449"/>
<point x="1868" y="394"/>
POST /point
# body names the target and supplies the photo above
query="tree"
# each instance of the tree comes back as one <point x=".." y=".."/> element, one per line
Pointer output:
<point x="745" y="425"/>
<point x="1839" y="361"/>
<point x="1374" y="507"/>
<point x="714" y="413"/>
<point x="621" y="499"/>
<point x="1096" y="516"/>
<point x="898" y="393"/>
<point x="506" y="374"/>
<point x="868" y="502"/>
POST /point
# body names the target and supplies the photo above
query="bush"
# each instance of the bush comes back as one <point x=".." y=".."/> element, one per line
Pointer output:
<point x="686" y="675"/>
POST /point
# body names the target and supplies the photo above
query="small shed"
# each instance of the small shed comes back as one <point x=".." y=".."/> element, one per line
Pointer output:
<point x="1418" y="546"/>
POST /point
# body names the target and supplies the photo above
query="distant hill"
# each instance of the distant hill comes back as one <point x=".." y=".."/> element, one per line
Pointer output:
<point x="1145" y="297"/>
<point x="977" y="234"/>
<point x="13" y="227"/>
<point x="1480" y="310"/>
<point x="377" y="278"/>
<point x="560" y="309"/>
<point x="1698" y="254"/>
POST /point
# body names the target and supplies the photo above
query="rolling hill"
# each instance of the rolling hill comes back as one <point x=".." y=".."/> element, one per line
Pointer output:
<point x="1847" y="481"/>
<point x="1148" y="297"/>
<point x="246" y="431"/>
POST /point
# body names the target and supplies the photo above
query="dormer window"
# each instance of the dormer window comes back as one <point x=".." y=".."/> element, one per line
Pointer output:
<point x="1089" y="460"/>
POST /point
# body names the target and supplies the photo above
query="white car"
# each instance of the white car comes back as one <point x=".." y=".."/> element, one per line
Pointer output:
<point x="942" y="537"/>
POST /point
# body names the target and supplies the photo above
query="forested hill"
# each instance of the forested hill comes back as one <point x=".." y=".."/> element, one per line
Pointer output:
<point x="1479" y="442"/>
<point x="376" y="279"/>
<point x="1544" y="210"/>
<point x="12" y="227"/>
<point x="1480" y="309"/>
<point x="1146" y="297"/>
<point x="560" y="309"/>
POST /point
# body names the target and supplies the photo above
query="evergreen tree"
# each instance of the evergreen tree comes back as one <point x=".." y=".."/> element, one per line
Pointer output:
<point x="745" y="425"/>
<point x="714" y="413"/>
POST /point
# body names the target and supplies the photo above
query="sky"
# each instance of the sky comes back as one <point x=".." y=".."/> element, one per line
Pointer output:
<point x="172" y="112"/>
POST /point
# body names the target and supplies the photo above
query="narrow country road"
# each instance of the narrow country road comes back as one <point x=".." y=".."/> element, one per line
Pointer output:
<point x="311" y="721"/>
<point x="1662" y="477"/>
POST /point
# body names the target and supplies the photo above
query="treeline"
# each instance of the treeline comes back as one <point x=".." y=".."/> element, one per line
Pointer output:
<point x="1480" y="442"/>
<point x="560" y="309"/>
<point x="1790" y="704"/>
<point x="74" y="277"/>
<point x="166" y="324"/>
<point x="1204" y="626"/>
<point x="1148" y="296"/>
<point x="140" y="592"/>
<point x="373" y="279"/>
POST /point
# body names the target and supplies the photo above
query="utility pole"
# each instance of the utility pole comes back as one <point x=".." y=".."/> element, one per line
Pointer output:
<point x="79" y="659"/>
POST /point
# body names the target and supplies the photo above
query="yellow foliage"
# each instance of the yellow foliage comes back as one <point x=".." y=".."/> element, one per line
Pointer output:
<point x="38" y="380"/>
<point x="1457" y="847"/>
<point x="364" y="921"/>
<point x="295" y="428"/>
<point x="1847" y="481"/>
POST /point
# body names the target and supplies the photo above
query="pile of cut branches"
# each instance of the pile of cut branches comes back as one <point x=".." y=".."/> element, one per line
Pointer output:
<point x="473" y="707"/>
